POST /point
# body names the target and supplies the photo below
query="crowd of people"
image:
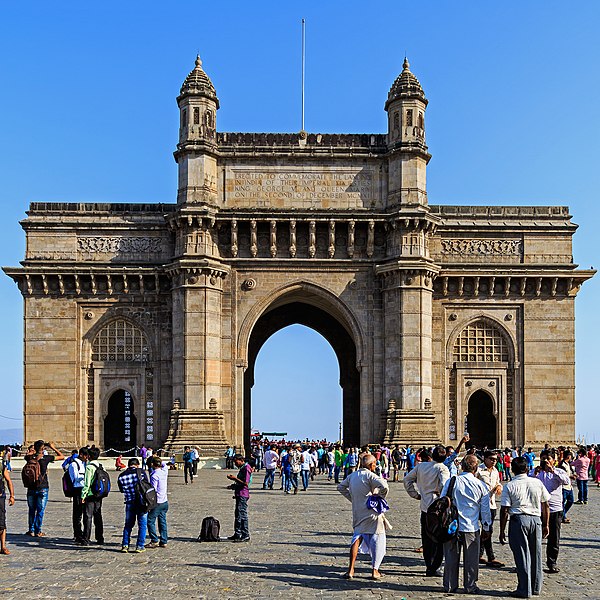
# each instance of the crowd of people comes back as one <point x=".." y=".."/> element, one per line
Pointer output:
<point x="533" y="495"/>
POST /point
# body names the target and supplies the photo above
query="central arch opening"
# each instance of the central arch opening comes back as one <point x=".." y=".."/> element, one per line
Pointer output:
<point x="481" y="421"/>
<point x="313" y="317"/>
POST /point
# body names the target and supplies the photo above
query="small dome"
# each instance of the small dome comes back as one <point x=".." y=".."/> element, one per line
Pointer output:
<point x="197" y="83"/>
<point x="405" y="86"/>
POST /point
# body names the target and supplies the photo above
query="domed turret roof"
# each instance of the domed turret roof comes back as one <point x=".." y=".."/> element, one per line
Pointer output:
<point x="405" y="86"/>
<point x="198" y="83"/>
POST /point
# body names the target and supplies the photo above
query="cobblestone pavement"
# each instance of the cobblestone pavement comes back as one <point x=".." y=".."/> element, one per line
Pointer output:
<point x="298" y="550"/>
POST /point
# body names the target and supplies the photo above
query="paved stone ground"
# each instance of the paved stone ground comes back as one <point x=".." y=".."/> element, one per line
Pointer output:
<point x="298" y="550"/>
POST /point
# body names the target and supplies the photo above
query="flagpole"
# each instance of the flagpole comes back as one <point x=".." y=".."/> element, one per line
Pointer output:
<point x="303" y="66"/>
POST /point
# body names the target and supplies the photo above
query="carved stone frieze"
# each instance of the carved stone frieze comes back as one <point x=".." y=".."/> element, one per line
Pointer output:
<point x="119" y="245"/>
<point x="483" y="247"/>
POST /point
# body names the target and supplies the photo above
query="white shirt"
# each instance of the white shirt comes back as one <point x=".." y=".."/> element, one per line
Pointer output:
<point x="491" y="478"/>
<point x="472" y="500"/>
<point x="77" y="472"/>
<point x="426" y="480"/>
<point x="524" y="496"/>
<point x="307" y="461"/>
<point x="271" y="458"/>
<point x="330" y="458"/>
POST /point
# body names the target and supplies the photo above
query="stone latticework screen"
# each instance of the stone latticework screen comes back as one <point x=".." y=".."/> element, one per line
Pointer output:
<point x="480" y="342"/>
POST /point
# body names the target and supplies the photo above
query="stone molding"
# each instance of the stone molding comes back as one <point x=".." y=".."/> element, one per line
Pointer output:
<point x="119" y="245"/>
<point x="485" y="247"/>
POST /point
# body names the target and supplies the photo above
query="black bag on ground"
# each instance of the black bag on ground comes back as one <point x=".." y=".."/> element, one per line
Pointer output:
<point x="441" y="519"/>
<point x="145" y="493"/>
<point x="210" y="530"/>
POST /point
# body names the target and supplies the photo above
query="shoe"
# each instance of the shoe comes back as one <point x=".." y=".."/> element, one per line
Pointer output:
<point x="125" y="549"/>
<point x="30" y="533"/>
<point x="437" y="573"/>
<point x="40" y="534"/>
<point x="83" y="543"/>
<point x="516" y="594"/>
<point x="585" y="501"/>
<point x="152" y="545"/>
<point x="295" y="490"/>
<point x="553" y="570"/>
<point x="473" y="592"/>
<point x="100" y="542"/>
<point x="566" y="521"/>
<point x="482" y="561"/>
<point x="232" y="538"/>
<point x="140" y="550"/>
<point x="162" y="545"/>
<point x="242" y="539"/>
<point x="578" y="502"/>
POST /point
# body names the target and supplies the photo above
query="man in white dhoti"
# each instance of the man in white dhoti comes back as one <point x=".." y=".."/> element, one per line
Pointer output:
<point x="369" y="525"/>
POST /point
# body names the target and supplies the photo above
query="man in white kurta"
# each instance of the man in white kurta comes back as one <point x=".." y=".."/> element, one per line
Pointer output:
<point x="369" y="525"/>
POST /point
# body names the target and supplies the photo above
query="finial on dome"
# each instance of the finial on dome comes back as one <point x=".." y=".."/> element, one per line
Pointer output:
<point x="405" y="64"/>
<point x="198" y="61"/>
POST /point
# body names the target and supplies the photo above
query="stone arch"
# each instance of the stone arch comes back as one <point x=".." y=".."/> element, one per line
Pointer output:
<point x="308" y="293"/>
<point x="310" y="305"/>
<point x="491" y="322"/>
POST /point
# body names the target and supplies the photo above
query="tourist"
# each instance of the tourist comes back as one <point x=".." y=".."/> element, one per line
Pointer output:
<point x="330" y="463"/>
<point x="128" y="481"/>
<point x="196" y="459"/>
<point x="143" y="455"/>
<point x="567" y="488"/>
<point x="271" y="460"/>
<point x="37" y="488"/>
<point x="596" y="469"/>
<point x="65" y="464"/>
<point x="369" y="525"/>
<point x="287" y="481"/>
<point x="119" y="464"/>
<point x="92" y="505"/>
<point x="188" y="465"/>
<point x="396" y="463"/>
<point x="472" y="500"/>
<point x="76" y="470"/>
<point x="581" y="466"/>
<point x="241" y="488"/>
<point x="530" y="457"/>
<point x="525" y="500"/>
<point x="424" y="483"/>
<point x="158" y="478"/>
<point x="452" y="456"/>
<point x="553" y="479"/>
<point x="507" y="461"/>
<point x="339" y="462"/>
<point x="305" y="467"/>
<point x="295" y="459"/>
<point x="490" y="476"/>
<point x="5" y="482"/>
<point x="229" y="453"/>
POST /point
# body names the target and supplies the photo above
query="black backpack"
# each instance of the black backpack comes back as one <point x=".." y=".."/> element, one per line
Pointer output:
<point x="441" y="520"/>
<point x="210" y="530"/>
<point x="69" y="490"/>
<point x="100" y="487"/>
<point x="145" y="493"/>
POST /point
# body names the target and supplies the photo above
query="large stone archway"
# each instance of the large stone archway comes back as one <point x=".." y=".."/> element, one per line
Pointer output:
<point x="341" y="341"/>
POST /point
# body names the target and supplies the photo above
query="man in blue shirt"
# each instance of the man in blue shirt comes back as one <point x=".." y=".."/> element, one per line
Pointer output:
<point x="530" y="457"/>
<point x="452" y="456"/>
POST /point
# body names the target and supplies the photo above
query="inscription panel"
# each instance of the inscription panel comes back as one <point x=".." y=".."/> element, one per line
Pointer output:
<point x="299" y="187"/>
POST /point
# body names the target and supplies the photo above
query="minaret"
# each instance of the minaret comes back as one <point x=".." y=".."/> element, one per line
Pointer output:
<point x="196" y="150"/>
<point x="406" y="106"/>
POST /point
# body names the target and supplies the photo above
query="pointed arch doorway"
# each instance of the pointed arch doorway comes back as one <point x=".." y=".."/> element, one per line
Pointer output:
<point x="120" y="424"/>
<point x="341" y="341"/>
<point x="481" y="420"/>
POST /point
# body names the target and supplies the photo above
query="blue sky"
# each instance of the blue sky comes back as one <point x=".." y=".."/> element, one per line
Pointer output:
<point x="88" y="113"/>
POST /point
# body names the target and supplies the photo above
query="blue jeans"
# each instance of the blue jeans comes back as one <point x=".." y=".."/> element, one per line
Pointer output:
<point x="160" y="513"/>
<point x="336" y="472"/>
<point x="36" y="501"/>
<point x="330" y="472"/>
<point x="305" y="475"/>
<point x="133" y="513"/>
<point x="582" y="490"/>
<point x="269" y="478"/>
<point x="568" y="499"/>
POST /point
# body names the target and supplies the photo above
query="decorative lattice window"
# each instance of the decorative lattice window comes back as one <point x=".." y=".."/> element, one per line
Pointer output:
<point x="480" y="342"/>
<point x="121" y="341"/>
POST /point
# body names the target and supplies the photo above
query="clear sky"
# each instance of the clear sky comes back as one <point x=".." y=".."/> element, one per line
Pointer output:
<point x="88" y="114"/>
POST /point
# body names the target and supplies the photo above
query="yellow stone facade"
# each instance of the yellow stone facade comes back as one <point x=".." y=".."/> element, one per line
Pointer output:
<point x="143" y="322"/>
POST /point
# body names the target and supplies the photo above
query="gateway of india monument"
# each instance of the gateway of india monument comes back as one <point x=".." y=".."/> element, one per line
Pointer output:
<point x="143" y="321"/>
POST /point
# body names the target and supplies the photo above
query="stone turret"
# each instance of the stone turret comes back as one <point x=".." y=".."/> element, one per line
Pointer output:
<point x="196" y="150"/>
<point x="406" y="106"/>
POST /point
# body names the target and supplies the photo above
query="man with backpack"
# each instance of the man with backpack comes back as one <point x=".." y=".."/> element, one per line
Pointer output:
<point x="75" y="475"/>
<point x="424" y="483"/>
<point x="93" y="491"/>
<point x="35" y="478"/>
<point x="471" y="498"/>
<point x="5" y="482"/>
<point x="129" y="483"/>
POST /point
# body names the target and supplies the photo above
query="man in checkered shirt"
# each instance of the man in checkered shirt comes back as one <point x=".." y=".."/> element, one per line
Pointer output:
<point x="128" y="481"/>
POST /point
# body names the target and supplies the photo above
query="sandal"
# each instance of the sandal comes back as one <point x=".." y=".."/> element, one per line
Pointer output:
<point x="496" y="563"/>
<point x="347" y="576"/>
<point x="40" y="534"/>
<point x="5" y="551"/>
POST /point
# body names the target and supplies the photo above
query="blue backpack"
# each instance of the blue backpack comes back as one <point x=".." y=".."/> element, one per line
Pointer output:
<point x="101" y="483"/>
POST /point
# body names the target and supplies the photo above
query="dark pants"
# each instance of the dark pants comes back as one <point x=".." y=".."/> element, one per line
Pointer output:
<point x="487" y="544"/>
<point x="568" y="500"/>
<point x="582" y="490"/>
<point x="195" y="467"/>
<point x="241" y="529"/>
<point x="468" y="543"/>
<point x="77" y="516"/>
<point x="92" y="511"/>
<point x="188" y="470"/>
<point x="553" y="541"/>
<point x="433" y="553"/>
<point x="525" y="540"/>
